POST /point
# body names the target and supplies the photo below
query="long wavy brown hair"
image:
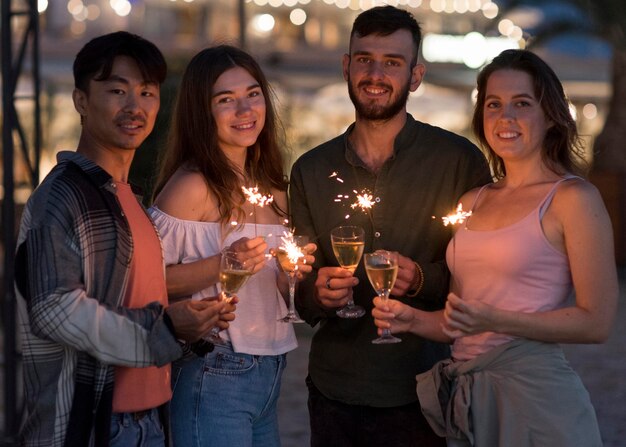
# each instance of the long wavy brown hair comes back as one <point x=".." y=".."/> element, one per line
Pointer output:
<point x="193" y="142"/>
<point x="562" y="149"/>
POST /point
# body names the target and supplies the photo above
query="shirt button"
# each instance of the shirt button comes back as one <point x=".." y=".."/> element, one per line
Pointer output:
<point x="377" y="199"/>
<point x="377" y="234"/>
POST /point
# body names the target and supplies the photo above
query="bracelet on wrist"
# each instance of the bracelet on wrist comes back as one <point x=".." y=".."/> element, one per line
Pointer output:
<point x="418" y="282"/>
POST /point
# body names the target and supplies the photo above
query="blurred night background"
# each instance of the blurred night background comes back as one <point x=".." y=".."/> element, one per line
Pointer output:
<point x="299" y="44"/>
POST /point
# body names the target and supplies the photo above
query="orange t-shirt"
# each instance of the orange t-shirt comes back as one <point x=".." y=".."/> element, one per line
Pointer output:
<point x="139" y="389"/>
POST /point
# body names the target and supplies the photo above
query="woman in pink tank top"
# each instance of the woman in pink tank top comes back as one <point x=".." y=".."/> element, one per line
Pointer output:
<point x="532" y="267"/>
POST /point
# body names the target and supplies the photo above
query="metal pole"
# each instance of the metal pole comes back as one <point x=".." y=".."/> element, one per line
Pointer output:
<point x="242" y="24"/>
<point x="34" y="20"/>
<point x="8" y="230"/>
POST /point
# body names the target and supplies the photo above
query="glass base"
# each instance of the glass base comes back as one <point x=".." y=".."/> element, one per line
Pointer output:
<point x="386" y="340"/>
<point x="291" y="318"/>
<point x="353" y="311"/>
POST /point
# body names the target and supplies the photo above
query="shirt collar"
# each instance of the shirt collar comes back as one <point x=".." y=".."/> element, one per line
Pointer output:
<point x="98" y="176"/>
<point x="401" y="142"/>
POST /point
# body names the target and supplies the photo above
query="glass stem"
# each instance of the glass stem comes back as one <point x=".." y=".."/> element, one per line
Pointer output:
<point x="292" y="291"/>
<point x="386" y="331"/>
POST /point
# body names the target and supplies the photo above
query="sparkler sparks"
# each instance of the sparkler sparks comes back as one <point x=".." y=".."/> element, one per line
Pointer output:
<point x="335" y="175"/>
<point x="256" y="198"/>
<point x="363" y="201"/>
<point x="452" y="219"/>
<point x="290" y="247"/>
<point x="456" y="218"/>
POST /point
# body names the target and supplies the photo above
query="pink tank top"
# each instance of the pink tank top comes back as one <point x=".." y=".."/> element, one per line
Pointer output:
<point x="513" y="268"/>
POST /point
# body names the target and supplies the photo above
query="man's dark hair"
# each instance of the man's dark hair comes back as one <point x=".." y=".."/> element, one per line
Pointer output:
<point x="386" y="20"/>
<point x="95" y="59"/>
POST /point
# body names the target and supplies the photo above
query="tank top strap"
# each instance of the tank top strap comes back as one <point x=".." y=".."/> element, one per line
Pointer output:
<point x="545" y="203"/>
<point x="480" y="191"/>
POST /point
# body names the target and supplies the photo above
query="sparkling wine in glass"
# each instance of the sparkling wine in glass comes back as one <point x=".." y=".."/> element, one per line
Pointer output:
<point x="382" y="270"/>
<point x="233" y="275"/>
<point x="288" y="254"/>
<point x="348" y="243"/>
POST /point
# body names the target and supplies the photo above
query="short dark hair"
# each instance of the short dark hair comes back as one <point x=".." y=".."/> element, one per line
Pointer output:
<point x="562" y="147"/>
<point x="386" y="20"/>
<point x="95" y="60"/>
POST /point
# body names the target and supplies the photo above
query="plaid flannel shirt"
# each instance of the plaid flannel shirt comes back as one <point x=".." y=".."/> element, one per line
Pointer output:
<point x="72" y="267"/>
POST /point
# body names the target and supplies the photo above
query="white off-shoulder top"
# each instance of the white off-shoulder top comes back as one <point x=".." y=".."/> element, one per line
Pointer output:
<point x="255" y="329"/>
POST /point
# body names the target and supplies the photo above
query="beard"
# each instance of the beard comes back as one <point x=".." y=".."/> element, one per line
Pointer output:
<point x="375" y="112"/>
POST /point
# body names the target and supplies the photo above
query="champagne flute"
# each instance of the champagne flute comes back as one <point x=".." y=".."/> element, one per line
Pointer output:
<point x="382" y="270"/>
<point x="288" y="254"/>
<point x="348" y="243"/>
<point x="233" y="275"/>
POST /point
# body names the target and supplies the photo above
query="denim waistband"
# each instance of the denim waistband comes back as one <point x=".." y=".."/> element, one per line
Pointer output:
<point x="227" y="346"/>
<point x="136" y="415"/>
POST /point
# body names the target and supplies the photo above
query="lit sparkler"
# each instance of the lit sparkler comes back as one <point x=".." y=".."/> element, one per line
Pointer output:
<point x="456" y="218"/>
<point x="288" y="254"/>
<point x="289" y="246"/>
<point x="256" y="199"/>
<point x="364" y="200"/>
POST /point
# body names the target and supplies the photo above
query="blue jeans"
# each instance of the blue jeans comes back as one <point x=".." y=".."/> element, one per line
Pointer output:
<point x="226" y="399"/>
<point x="128" y="430"/>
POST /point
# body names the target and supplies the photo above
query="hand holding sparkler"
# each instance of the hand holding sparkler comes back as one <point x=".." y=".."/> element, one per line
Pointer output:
<point x="251" y="251"/>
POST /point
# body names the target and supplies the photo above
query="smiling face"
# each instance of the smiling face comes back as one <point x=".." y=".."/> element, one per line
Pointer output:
<point x="238" y="107"/>
<point x="379" y="74"/>
<point x="118" y="113"/>
<point x="515" y="124"/>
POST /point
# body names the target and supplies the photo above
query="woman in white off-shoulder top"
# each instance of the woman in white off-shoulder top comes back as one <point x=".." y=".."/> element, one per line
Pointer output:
<point x="224" y="137"/>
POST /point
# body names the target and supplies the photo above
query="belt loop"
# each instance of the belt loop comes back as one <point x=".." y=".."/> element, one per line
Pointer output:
<point x="139" y="415"/>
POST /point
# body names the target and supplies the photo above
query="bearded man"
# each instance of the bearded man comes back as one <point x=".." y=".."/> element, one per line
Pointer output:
<point x="363" y="394"/>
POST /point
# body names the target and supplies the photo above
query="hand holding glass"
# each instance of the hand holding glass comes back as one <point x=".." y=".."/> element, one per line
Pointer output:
<point x="233" y="275"/>
<point x="348" y="243"/>
<point x="382" y="270"/>
<point x="288" y="254"/>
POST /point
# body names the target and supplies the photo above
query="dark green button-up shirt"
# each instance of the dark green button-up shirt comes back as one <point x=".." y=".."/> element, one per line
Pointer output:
<point x="422" y="181"/>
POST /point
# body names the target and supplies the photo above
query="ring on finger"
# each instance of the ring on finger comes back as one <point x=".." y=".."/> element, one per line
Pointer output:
<point x="328" y="283"/>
